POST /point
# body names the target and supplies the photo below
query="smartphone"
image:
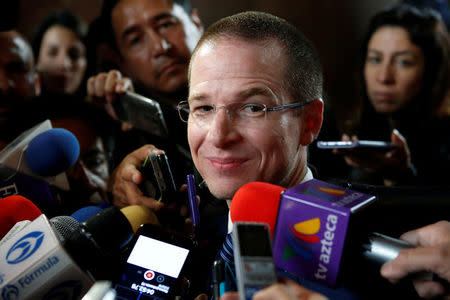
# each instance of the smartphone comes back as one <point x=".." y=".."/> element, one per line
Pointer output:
<point x="158" y="179"/>
<point x="142" y="112"/>
<point x="359" y="144"/>
<point x="253" y="258"/>
<point x="156" y="265"/>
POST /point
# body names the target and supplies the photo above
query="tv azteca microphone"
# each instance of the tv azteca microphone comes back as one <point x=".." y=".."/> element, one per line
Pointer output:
<point x="310" y="225"/>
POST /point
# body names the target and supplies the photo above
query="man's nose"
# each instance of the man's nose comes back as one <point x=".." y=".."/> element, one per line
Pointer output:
<point x="222" y="130"/>
<point x="159" y="43"/>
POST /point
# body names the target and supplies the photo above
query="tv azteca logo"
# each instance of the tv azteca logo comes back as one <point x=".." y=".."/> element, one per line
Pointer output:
<point x="302" y="237"/>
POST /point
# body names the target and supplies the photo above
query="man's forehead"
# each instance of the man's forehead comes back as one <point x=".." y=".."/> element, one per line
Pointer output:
<point x="269" y="48"/>
<point x="239" y="55"/>
<point x="127" y="12"/>
<point x="245" y="68"/>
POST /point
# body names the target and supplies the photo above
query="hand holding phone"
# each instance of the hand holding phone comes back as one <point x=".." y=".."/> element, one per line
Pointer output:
<point x="253" y="258"/>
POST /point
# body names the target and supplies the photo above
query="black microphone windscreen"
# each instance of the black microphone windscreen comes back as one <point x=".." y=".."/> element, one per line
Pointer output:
<point x="64" y="226"/>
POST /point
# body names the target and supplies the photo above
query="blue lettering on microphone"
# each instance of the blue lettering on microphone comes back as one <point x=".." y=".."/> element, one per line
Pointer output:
<point x="38" y="272"/>
<point x="327" y="247"/>
<point x="10" y="292"/>
<point x="24" y="247"/>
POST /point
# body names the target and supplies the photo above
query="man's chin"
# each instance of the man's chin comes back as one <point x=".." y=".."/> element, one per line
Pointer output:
<point x="224" y="191"/>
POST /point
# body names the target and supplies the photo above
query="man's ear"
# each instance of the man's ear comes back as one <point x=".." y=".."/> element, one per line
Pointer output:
<point x="196" y="19"/>
<point x="311" y="118"/>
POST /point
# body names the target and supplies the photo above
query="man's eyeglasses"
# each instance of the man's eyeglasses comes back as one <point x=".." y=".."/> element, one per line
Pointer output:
<point x="204" y="114"/>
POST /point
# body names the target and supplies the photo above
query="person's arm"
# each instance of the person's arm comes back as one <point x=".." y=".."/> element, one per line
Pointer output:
<point x="432" y="254"/>
<point x="103" y="88"/>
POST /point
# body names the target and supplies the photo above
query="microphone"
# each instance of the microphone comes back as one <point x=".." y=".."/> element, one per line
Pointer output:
<point x="36" y="266"/>
<point x="47" y="257"/>
<point x="310" y="226"/>
<point x="35" y="162"/>
<point x="64" y="226"/>
<point x="104" y="237"/>
<point x="138" y="215"/>
<point x="14" y="209"/>
<point x="52" y="152"/>
<point x="84" y="213"/>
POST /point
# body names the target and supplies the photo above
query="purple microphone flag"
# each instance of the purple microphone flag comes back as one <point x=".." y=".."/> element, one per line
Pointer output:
<point x="311" y="228"/>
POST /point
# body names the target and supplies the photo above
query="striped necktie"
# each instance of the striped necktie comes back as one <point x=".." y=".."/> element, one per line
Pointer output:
<point x="226" y="253"/>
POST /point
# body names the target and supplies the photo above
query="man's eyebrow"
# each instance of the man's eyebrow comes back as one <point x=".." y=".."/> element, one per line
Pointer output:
<point x="162" y="16"/>
<point x="153" y="19"/>
<point x="263" y="91"/>
<point x="242" y="95"/>
<point x="197" y="97"/>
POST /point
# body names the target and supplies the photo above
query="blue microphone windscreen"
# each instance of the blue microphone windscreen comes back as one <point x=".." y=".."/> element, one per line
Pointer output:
<point x="52" y="152"/>
<point x="86" y="213"/>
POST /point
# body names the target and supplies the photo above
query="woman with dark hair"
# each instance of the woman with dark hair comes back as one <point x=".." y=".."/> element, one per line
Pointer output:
<point x="60" y="52"/>
<point x="59" y="47"/>
<point x="405" y="75"/>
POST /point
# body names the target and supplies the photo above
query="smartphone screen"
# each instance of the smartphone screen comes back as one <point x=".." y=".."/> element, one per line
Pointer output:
<point x="253" y="257"/>
<point x="152" y="270"/>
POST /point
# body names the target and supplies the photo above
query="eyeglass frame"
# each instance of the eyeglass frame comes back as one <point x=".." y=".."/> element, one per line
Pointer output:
<point x="265" y="110"/>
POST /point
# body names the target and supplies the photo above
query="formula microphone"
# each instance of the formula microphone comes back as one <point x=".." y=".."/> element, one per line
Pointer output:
<point x="46" y="257"/>
<point x="35" y="265"/>
<point x="310" y="226"/>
